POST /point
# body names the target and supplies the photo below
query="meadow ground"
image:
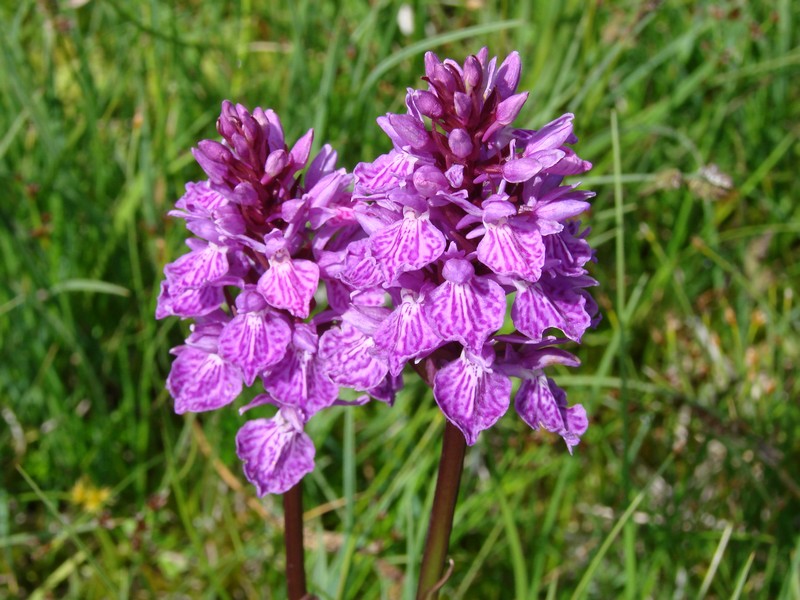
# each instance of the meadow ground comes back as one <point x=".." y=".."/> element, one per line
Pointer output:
<point x="687" y="484"/>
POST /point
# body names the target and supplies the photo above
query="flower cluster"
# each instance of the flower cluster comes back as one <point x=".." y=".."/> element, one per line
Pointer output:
<point x="259" y="227"/>
<point x="464" y="217"/>
<point x="464" y="212"/>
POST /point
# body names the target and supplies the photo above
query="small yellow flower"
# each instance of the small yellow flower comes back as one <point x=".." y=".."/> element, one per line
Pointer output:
<point x="90" y="498"/>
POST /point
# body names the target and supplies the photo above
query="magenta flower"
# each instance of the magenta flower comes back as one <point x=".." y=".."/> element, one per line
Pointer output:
<point x="465" y="211"/>
<point x="250" y="280"/>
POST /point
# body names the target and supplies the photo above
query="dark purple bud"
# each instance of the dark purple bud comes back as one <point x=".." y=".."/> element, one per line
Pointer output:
<point x="431" y="60"/>
<point x="251" y="130"/>
<point x="241" y="111"/>
<point x="473" y="73"/>
<point x="298" y="155"/>
<point x="521" y="169"/>
<point x="242" y="147"/>
<point x="410" y="130"/>
<point x="444" y="78"/>
<point x="275" y="136"/>
<point x="463" y="104"/>
<point x="276" y="163"/>
<point x="215" y="151"/>
<point x="508" y="75"/>
<point x="460" y="143"/>
<point x="213" y="158"/>
<point x="226" y="127"/>
<point x="428" y="104"/>
<point x="509" y="108"/>
<point x="261" y="118"/>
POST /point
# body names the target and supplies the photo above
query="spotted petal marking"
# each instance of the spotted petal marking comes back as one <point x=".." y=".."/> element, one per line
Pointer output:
<point x="535" y="310"/>
<point x="197" y="268"/>
<point x="360" y="269"/>
<point x="385" y="173"/>
<point x="467" y="312"/>
<point x="541" y="403"/>
<point x="405" y="334"/>
<point x="299" y="380"/>
<point x="471" y="395"/>
<point x="201" y="381"/>
<point x="349" y="358"/>
<point x="510" y="250"/>
<point x="254" y="341"/>
<point x="407" y="245"/>
<point x="199" y="200"/>
<point x="275" y="455"/>
<point x="290" y="284"/>
<point x="189" y="302"/>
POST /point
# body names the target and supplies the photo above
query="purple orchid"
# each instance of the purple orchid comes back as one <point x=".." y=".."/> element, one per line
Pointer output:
<point x="465" y="211"/>
<point x="255" y="254"/>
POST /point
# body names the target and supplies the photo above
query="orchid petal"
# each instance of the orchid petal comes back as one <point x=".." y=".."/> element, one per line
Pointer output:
<point x="254" y="341"/>
<point x="275" y="455"/>
<point x="541" y="403"/>
<point x="349" y="359"/>
<point x="471" y="395"/>
<point x="407" y="245"/>
<point x="201" y="381"/>
<point x="290" y="284"/>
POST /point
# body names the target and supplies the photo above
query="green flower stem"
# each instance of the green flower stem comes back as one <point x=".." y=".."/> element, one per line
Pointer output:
<point x="293" y="539"/>
<point x="444" y="505"/>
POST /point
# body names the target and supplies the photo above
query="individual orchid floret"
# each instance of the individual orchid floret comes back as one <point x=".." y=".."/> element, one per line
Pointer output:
<point x="256" y="338"/>
<point x="276" y="452"/>
<point x="200" y="378"/>
<point x="301" y="379"/>
<point x="541" y="403"/>
<point x="407" y="245"/>
<point x="511" y="245"/>
<point x="406" y="333"/>
<point x="289" y="283"/>
<point x="471" y="394"/>
<point x="468" y="222"/>
<point x="466" y="308"/>
<point x="350" y="357"/>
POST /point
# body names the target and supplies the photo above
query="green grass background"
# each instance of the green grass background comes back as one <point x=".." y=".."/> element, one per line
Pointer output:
<point x="687" y="484"/>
